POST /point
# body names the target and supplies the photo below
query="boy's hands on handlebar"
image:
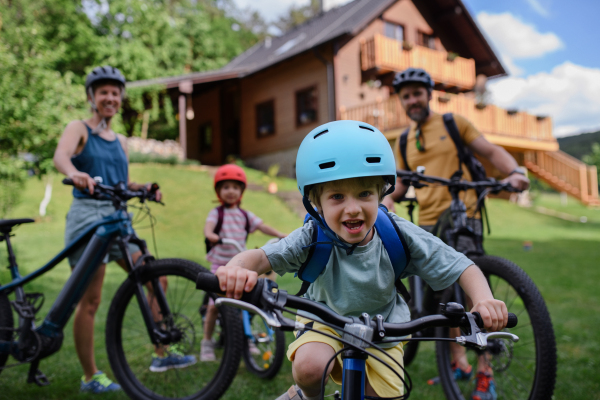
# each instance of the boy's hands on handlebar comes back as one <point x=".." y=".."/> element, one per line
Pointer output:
<point x="493" y="313"/>
<point x="235" y="280"/>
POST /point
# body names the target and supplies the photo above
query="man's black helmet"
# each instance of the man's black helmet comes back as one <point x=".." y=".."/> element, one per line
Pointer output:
<point x="412" y="75"/>
<point x="106" y="73"/>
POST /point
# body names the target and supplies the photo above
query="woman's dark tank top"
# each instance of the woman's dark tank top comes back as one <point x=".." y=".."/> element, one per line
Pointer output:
<point x="101" y="158"/>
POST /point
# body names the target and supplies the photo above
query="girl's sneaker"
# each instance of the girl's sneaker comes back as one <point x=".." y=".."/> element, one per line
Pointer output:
<point x="207" y="351"/>
<point x="485" y="388"/>
<point x="252" y="348"/>
<point x="100" y="383"/>
<point x="293" y="393"/>
<point x="459" y="374"/>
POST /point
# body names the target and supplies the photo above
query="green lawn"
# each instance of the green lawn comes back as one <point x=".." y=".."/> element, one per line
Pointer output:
<point x="562" y="262"/>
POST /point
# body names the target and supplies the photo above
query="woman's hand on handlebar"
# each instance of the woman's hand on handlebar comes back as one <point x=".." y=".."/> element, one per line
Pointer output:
<point x="82" y="181"/>
<point x="234" y="280"/>
<point x="493" y="313"/>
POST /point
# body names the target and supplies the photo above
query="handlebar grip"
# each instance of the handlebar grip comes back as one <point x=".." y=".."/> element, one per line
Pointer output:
<point x="68" y="181"/>
<point x="210" y="283"/>
<point x="512" y="320"/>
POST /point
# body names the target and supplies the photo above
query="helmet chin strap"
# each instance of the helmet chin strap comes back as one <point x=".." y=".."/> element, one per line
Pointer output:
<point x="335" y="240"/>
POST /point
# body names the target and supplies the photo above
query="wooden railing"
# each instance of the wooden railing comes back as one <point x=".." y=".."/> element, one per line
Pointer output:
<point x="388" y="55"/>
<point x="491" y="120"/>
<point x="565" y="173"/>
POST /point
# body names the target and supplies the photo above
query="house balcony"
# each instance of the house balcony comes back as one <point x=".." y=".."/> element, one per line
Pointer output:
<point x="383" y="55"/>
<point x="513" y="130"/>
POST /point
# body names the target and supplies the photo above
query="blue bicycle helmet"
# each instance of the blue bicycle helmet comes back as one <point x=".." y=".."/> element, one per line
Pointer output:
<point x="412" y="75"/>
<point x="341" y="150"/>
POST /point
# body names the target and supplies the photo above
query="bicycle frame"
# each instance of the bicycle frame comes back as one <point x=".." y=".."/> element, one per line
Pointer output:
<point x="101" y="235"/>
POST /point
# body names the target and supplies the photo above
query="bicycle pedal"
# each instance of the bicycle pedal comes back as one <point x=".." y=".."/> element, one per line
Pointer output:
<point x="37" y="377"/>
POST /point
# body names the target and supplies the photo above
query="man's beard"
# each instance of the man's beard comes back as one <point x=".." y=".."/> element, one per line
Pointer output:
<point x="418" y="116"/>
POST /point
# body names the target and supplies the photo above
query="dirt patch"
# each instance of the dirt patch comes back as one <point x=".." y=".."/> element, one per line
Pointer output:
<point x="294" y="201"/>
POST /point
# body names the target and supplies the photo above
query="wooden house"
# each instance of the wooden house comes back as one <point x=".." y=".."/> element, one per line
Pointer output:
<point x="339" y="65"/>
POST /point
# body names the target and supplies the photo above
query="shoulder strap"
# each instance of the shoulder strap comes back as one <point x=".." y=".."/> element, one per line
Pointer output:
<point x="219" y="224"/>
<point x="318" y="256"/>
<point x="402" y="144"/>
<point x="452" y="129"/>
<point x="247" y="227"/>
<point x="393" y="241"/>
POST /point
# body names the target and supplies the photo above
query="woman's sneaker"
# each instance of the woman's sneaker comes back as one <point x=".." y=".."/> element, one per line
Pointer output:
<point x="293" y="393"/>
<point x="459" y="374"/>
<point x="207" y="351"/>
<point x="100" y="383"/>
<point x="485" y="388"/>
<point x="174" y="359"/>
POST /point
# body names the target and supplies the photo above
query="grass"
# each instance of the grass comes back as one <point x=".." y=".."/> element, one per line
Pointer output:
<point x="563" y="263"/>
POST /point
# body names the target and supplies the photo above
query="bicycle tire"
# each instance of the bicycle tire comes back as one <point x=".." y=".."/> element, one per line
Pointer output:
<point x="6" y="325"/>
<point x="267" y="363"/>
<point x="521" y="370"/>
<point x="129" y="348"/>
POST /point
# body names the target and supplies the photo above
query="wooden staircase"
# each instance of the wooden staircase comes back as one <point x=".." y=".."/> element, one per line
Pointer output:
<point x="566" y="174"/>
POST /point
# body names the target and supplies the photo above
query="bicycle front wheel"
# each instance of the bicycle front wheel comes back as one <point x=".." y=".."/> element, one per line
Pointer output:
<point x="264" y="348"/>
<point x="522" y="370"/>
<point x="131" y="352"/>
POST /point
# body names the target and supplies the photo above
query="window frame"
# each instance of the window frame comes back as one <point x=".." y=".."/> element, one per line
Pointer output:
<point x="296" y="108"/>
<point x="386" y="23"/>
<point x="421" y="35"/>
<point x="270" y="102"/>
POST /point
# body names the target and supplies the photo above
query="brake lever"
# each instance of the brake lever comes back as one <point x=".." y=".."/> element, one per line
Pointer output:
<point x="479" y="339"/>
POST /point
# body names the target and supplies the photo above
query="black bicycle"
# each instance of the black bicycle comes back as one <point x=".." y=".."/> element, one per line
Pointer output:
<point x="523" y="371"/>
<point x="359" y="334"/>
<point x="144" y="316"/>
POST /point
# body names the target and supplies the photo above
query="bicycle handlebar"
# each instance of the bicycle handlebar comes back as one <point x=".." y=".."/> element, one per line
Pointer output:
<point x="270" y="300"/>
<point x="411" y="178"/>
<point x="120" y="192"/>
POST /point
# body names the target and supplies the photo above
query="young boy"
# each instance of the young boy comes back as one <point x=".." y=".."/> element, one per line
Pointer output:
<point x="345" y="168"/>
<point x="236" y="224"/>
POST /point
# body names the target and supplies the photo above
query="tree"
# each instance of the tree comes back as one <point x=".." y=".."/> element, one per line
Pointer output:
<point x="297" y="15"/>
<point x="594" y="158"/>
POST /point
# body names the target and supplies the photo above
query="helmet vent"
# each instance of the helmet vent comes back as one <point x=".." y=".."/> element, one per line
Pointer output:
<point x="373" y="160"/>
<point x="327" y="165"/>
<point x="364" y="127"/>
<point x="320" y="133"/>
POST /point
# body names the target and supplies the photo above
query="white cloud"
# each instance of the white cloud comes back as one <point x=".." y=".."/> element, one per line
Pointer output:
<point x="569" y="94"/>
<point x="515" y="39"/>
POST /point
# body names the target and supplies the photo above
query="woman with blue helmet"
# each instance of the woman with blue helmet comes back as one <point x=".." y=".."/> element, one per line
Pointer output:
<point x="344" y="169"/>
<point x="89" y="151"/>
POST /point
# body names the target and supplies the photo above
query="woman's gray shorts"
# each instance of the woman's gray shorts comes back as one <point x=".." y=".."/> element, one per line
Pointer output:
<point x="83" y="213"/>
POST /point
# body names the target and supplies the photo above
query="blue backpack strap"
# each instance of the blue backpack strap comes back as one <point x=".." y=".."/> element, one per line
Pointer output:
<point x="318" y="256"/>
<point x="393" y="241"/>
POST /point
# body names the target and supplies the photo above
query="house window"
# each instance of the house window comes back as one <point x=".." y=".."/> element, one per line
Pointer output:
<point x="426" y="40"/>
<point x="265" y="118"/>
<point x="306" y="106"/>
<point x="206" y="138"/>
<point x="394" y="31"/>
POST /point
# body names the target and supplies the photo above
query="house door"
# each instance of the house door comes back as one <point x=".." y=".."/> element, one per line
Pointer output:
<point x="230" y="120"/>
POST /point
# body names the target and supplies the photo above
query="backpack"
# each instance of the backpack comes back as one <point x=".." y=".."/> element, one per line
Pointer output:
<point x="393" y="242"/>
<point x="221" y="213"/>
<point x="464" y="153"/>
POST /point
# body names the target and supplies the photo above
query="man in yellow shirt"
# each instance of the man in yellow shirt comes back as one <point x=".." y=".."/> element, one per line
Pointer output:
<point x="429" y="144"/>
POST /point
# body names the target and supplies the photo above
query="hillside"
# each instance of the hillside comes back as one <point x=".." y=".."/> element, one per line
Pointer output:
<point x="579" y="145"/>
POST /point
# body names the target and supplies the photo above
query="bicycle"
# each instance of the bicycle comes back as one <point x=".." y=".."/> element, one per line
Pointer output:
<point x="266" y="361"/>
<point x="142" y="317"/>
<point x="269" y="302"/>
<point x="520" y="372"/>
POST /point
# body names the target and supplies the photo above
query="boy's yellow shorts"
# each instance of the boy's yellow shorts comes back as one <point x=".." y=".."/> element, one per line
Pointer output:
<point x="382" y="379"/>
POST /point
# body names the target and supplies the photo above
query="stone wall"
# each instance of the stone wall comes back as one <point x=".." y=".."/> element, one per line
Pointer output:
<point x="151" y="146"/>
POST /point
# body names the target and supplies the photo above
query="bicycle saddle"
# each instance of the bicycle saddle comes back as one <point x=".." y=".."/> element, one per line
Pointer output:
<point x="7" y="224"/>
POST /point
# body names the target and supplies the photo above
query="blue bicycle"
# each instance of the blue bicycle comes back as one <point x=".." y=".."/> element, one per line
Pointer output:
<point x="361" y="333"/>
<point x="145" y="316"/>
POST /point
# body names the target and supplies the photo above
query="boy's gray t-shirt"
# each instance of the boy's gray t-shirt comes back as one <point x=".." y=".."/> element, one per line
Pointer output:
<point x="364" y="281"/>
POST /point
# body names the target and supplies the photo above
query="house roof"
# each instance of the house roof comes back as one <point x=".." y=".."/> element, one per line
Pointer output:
<point x="449" y="18"/>
<point x="350" y="18"/>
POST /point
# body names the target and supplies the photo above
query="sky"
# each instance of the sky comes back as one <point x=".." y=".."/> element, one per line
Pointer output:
<point x="548" y="47"/>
